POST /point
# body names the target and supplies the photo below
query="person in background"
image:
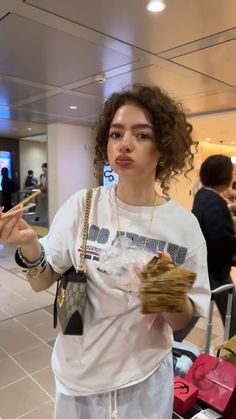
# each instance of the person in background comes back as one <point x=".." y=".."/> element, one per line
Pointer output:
<point x="233" y="189"/>
<point x="8" y="187"/>
<point x="230" y="194"/>
<point x="31" y="181"/>
<point x="41" y="214"/>
<point x="43" y="180"/>
<point x="121" y="367"/>
<point x="216" y="223"/>
<point x="230" y="198"/>
<point x="234" y="186"/>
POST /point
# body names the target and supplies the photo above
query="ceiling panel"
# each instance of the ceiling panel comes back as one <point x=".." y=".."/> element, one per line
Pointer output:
<point x="50" y="52"/>
<point x="51" y="56"/>
<point x="130" y="22"/>
<point x="213" y="102"/>
<point x="26" y="115"/>
<point x="218" y="61"/>
<point x="60" y="105"/>
<point x="199" y="44"/>
<point x="177" y="83"/>
<point x="17" y="129"/>
<point x="11" y="92"/>
<point x="42" y="138"/>
<point x="83" y="122"/>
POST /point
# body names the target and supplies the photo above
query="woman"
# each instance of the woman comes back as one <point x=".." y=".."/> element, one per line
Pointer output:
<point x="122" y="365"/>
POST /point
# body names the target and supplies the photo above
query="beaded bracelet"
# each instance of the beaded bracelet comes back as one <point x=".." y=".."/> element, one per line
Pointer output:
<point x="31" y="269"/>
<point x="24" y="263"/>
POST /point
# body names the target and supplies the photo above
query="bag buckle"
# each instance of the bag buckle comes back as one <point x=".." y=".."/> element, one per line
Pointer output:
<point x="61" y="297"/>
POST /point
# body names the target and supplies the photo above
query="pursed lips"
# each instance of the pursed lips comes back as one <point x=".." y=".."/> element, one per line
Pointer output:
<point x="123" y="158"/>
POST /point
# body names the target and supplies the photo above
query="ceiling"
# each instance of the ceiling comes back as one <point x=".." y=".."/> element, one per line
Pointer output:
<point x="52" y="50"/>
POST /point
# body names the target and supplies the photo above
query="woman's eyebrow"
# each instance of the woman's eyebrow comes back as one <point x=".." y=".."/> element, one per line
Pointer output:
<point x="149" y="126"/>
<point x="116" y="125"/>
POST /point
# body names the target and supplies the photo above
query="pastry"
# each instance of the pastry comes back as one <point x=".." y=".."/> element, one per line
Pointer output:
<point x="164" y="285"/>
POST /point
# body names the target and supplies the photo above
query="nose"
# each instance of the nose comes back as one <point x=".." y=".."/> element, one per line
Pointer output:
<point x="127" y="142"/>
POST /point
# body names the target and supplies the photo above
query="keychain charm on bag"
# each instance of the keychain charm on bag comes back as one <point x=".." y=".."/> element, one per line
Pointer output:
<point x="71" y="294"/>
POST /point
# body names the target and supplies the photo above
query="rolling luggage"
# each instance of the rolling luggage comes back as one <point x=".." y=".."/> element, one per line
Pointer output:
<point x="201" y="410"/>
<point x="185" y="354"/>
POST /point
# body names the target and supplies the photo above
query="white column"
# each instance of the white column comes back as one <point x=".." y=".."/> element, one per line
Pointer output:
<point x="70" y="163"/>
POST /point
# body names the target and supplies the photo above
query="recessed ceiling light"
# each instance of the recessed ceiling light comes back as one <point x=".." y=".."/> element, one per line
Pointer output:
<point x="233" y="142"/>
<point x="73" y="107"/>
<point x="29" y="129"/>
<point x="156" y="6"/>
<point x="208" y="139"/>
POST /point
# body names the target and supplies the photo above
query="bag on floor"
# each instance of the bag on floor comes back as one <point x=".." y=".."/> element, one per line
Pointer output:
<point x="227" y="350"/>
<point x="216" y="381"/>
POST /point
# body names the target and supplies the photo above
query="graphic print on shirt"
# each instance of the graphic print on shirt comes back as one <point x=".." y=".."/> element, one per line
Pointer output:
<point x="100" y="236"/>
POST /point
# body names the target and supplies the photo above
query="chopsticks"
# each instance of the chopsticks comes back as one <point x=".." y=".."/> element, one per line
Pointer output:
<point x="21" y="205"/>
<point x="28" y="199"/>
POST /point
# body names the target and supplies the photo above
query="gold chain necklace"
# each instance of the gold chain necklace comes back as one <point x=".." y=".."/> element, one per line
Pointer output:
<point x="149" y="224"/>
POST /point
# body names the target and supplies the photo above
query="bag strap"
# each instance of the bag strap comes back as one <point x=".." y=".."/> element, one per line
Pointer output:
<point x="226" y="349"/>
<point x="82" y="266"/>
<point x="88" y="203"/>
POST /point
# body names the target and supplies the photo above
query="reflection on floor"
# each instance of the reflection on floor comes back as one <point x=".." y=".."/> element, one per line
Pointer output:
<point x="40" y="230"/>
<point x="26" y="340"/>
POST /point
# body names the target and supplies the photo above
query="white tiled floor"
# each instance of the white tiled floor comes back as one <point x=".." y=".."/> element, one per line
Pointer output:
<point x="26" y="340"/>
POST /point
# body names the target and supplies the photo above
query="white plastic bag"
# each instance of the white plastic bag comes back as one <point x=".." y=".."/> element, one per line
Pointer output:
<point x="123" y="262"/>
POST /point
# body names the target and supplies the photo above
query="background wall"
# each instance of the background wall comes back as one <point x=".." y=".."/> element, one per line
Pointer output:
<point x="70" y="163"/>
<point x="181" y="190"/>
<point x="32" y="155"/>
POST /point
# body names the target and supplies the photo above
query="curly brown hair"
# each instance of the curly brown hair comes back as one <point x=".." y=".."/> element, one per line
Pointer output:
<point x="171" y="129"/>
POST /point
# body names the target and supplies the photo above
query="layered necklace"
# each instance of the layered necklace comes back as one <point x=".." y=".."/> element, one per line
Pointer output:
<point x="149" y="223"/>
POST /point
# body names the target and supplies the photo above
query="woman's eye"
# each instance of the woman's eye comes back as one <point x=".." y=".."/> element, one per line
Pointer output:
<point x="144" y="135"/>
<point x="114" y="134"/>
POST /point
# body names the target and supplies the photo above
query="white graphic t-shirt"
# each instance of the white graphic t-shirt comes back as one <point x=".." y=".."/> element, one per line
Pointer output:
<point x="118" y="347"/>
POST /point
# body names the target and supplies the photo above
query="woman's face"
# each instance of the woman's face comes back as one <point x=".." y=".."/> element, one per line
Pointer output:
<point x="131" y="147"/>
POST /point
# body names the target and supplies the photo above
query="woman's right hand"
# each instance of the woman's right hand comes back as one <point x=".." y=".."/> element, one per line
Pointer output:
<point x="14" y="230"/>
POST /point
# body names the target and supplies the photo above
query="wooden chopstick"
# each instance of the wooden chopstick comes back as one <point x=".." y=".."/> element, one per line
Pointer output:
<point x="25" y="208"/>
<point x="21" y="205"/>
<point x="28" y="199"/>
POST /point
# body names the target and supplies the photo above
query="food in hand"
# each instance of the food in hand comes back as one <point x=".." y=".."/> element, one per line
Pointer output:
<point x="164" y="285"/>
